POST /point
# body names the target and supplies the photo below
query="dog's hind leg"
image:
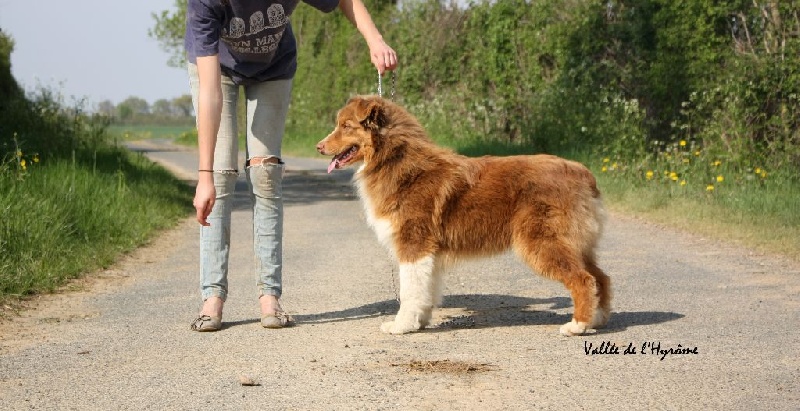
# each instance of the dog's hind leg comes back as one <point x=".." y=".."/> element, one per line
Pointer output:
<point x="558" y="261"/>
<point x="418" y="290"/>
<point x="604" y="294"/>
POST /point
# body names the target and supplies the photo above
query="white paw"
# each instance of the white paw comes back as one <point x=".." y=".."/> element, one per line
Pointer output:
<point x="393" y="327"/>
<point x="573" y="328"/>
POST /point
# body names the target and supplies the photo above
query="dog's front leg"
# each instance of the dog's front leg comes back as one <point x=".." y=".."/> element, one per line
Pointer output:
<point x="417" y="297"/>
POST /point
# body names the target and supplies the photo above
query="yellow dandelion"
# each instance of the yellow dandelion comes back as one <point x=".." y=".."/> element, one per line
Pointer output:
<point x="763" y="174"/>
<point x="685" y="161"/>
<point x="710" y="187"/>
<point x="757" y="170"/>
<point x="683" y="143"/>
<point x="716" y="163"/>
<point x="604" y="169"/>
<point x="683" y="183"/>
<point x="673" y="176"/>
<point x="697" y="153"/>
<point x="606" y="160"/>
<point x="23" y="164"/>
<point x="649" y="175"/>
<point x="720" y="179"/>
<point x="35" y="158"/>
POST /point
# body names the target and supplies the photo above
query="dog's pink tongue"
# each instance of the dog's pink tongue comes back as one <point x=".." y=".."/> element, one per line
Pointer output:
<point x="332" y="165"/>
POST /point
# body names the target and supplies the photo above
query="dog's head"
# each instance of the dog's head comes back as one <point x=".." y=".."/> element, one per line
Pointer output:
<point x="357" y="125"/>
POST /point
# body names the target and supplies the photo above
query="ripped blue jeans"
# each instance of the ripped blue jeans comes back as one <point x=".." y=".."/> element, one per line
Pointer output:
<point x="267" y="106"/>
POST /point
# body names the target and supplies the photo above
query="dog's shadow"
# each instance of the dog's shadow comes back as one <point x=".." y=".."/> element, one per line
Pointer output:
<point x="492" y="311"/>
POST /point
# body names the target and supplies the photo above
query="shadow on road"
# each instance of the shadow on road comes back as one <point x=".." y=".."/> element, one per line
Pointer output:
<point x="301" y="187"/>
<point x="494" y="310"/>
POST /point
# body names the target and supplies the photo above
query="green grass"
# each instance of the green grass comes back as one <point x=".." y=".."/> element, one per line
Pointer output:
<point x="144" y="132"/>
<point x="62" y="218"/>
<point x="301" y="141"/>
<point x="720" y="194"/>
<point x="766" y="219"/>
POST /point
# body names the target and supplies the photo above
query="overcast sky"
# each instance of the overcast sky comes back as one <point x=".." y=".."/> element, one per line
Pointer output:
<point x="97" y="49"/>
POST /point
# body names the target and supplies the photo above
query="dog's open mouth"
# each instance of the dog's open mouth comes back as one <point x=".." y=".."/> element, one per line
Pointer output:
<point x="341" y="159"/>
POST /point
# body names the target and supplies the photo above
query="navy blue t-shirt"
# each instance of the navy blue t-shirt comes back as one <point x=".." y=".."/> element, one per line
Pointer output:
<point x="253" y="38"/>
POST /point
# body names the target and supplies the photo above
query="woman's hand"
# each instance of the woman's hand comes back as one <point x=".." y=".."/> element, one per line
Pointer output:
<point x="383" y="57"/>
<point x="204" y="196"/>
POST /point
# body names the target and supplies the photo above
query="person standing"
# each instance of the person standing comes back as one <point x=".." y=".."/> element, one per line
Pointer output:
<point x="248" y="43"/>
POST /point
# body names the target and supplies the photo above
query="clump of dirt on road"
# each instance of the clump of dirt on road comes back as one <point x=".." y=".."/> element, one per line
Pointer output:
<point x="446" y="366"/>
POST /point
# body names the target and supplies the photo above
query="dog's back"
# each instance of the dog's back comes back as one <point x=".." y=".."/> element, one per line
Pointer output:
<point x="500" y="200"/>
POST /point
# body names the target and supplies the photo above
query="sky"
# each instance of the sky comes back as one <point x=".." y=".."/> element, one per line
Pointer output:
<point x="90" y="49"/>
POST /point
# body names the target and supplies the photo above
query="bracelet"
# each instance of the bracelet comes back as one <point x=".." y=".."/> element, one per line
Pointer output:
<point x="205" y="171"/>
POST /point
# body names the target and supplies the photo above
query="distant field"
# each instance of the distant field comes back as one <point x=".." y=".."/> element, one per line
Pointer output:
<point x="139" y="132"/>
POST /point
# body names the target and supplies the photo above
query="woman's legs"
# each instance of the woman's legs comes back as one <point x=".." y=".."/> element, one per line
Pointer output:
<point x="215" y="239"/>
<point x="267" y="106"/>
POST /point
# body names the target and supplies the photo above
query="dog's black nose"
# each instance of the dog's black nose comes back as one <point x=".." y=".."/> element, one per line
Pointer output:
<point x="321" y="147"/>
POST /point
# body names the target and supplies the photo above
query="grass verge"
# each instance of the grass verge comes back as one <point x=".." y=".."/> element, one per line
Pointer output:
<point x="765" y="220"/>
<point x="144" y="132"/>
<point x="62" y="218"/>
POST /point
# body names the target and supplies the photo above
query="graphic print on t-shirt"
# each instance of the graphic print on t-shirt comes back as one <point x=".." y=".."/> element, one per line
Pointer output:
<point x="262" y="37"/>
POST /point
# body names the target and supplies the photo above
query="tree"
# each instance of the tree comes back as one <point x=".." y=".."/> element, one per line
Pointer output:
<point x="132" y="107"/>
<point x="8" y="86"/>
<point x="183" y="105"/>
<point x="106" y="108"/>
<point x="163" y="107"/>
<point x="168" y="30"/>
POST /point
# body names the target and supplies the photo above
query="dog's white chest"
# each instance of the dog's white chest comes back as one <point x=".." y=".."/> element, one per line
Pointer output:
<point x="382" y="226"/>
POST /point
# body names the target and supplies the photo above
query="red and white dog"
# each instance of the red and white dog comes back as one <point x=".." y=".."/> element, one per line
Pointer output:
<point x="431" y="206"/>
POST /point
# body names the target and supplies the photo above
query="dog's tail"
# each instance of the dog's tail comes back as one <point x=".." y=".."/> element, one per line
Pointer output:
<point x="593" y="216"/>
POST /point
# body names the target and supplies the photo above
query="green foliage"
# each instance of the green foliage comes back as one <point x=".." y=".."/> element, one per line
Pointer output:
<point x="333" y="63"/>
<point x="71" y="200"/>
<point x="9" y="89"/>
<point x="168" y="30"/>
<point x="611" y="76"/>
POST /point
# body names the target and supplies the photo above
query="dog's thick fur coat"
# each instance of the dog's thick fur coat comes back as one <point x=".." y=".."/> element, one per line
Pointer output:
<point x="431" y="206"/>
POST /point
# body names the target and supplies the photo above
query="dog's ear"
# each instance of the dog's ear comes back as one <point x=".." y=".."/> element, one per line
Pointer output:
<point x="371" y="114"/>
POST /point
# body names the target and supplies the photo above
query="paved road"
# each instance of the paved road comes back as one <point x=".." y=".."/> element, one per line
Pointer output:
<point x="124" y="341"/>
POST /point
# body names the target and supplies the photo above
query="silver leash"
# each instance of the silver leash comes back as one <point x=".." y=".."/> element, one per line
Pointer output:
<point x="380" y="85"/>
<point x="380" y="94"/>
<point x="394" y="288"/>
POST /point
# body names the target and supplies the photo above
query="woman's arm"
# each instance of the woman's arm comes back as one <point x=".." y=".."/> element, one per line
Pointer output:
<point x="382" y="56"/>
<point x="209" y="111"/>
